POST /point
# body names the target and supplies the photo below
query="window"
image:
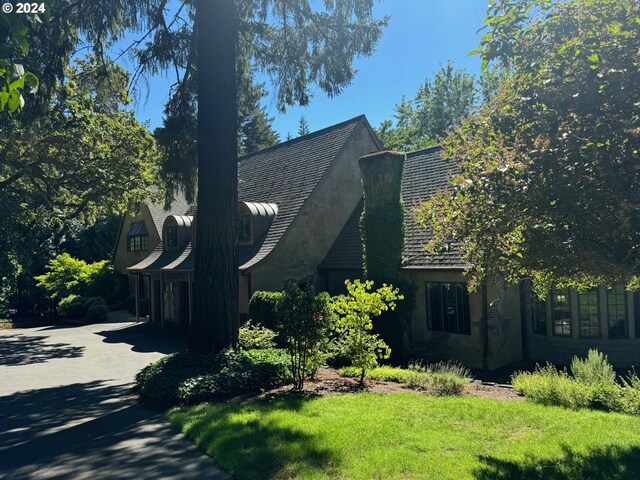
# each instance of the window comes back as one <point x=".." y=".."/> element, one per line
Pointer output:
<point x="589" y="314"/>
<point x="137" y="237"/>
<point x="138" y="243"/>
<point x="617" y="312"/>
<point x="171" y="236"/>
<point x="244" y="228"/>
<point x="561" y="312"/>
<point x="448" y="307"/>
<point x="534" y="309"/>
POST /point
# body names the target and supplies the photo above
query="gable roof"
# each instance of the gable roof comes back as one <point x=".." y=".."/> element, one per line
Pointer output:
<point x="425" y="173"/>
<point x="179" y="206"/>
<point x="285" y="175"/>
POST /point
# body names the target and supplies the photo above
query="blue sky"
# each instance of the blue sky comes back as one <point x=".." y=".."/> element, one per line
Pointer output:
<point x="422" y="35"/>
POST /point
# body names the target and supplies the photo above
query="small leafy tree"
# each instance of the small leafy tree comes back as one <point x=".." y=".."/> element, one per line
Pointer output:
<point x="356" y="311"/>
<point x="68" y="275"/>
<point x="305" y="319"/>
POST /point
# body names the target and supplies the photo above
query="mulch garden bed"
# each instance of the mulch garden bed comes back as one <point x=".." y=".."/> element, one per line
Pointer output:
<point x="328" y="382"/>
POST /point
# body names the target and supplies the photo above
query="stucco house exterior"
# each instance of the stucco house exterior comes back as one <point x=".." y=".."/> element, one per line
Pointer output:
<point x="300" y="204"/>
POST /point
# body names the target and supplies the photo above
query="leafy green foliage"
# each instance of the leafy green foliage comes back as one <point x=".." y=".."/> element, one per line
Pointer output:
<point x="440" y="104"/>
<point x="593" y="370"/>
<point x="353" y="324"/>
<point x="68" y="275"/>
<point x="255" y="336"/>
<point x="72" y="307"/>
<point x="158" y="383"/>
<point x="188" y="378"/>
<point x="550" y="386"/>
<point x="443" y="378"/>
<point x="305" y="321"/>
<point x="91" y="156"/>
<point x="14" y="80"/>
<point x="263" y="309"/>
<point x="382" y="220"/>
<point x="97" y="311"/>
<point x="593" y="385"/>
<point x="548" y="185"/>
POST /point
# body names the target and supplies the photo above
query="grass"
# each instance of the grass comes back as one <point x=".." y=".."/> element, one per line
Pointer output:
<point x="406" y="436"/>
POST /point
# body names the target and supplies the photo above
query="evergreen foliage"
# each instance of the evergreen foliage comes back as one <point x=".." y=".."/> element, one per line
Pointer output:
<point x="305" y="321"/>
<point x="440" y="104"/>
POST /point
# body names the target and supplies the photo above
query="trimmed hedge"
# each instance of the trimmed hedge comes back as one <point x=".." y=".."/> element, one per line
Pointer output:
<point x="263" y="309"/>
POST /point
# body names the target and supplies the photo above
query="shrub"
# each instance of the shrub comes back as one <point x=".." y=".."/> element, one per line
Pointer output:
<point x="305" y="319"/>
<point x="67" y="275"/>
<point x="594" y="370"/>
<point x="72" y="307"/>
<point x="158" y="383"/>
<point x="252" y="336"/>
<point x="550" y="386"/>
<point x="263" y="309"/>
<point x="354" y="323"/>
<point x="448" y="367"/>
<point x="250" y="371"/>
<point x="97" y="310"/>
<point x="446" y="383"/>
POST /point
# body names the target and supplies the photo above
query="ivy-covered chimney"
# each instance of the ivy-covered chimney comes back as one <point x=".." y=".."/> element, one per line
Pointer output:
<point x="382" y="221"/>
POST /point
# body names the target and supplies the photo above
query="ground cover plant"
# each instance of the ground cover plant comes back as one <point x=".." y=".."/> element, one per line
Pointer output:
<point x="403" y="436"/>
<point x="591" y="384"/>
<point x="442" y="378"/>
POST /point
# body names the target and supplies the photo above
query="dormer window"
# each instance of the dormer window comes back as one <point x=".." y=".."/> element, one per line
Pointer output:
<point x="171" y="236"/>
<point x="137" y="238"/>
<point x="244" y="229"/>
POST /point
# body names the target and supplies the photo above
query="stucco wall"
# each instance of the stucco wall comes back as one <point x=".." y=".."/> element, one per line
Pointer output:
<point x="504" y="332"/>
<point x="323" y="215"/>
<point x="123" y="259"/>
<point x="623" y="352"/>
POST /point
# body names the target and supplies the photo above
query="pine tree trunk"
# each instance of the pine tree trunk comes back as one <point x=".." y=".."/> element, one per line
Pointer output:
<point x="215" y="303"/>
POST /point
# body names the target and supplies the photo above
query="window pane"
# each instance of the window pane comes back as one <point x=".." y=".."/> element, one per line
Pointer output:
<point x="589" y="314"/>
<point x="172" y="236"/>
<point x="561" y="312"/>
<point x="448" y="307"/>
<point x="617" y="311"/>
<point x="244" y="229"/>
<point x="534" y="310"/>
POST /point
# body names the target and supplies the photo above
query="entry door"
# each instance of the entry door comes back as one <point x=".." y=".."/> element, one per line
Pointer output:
<point x="171" y="302"/>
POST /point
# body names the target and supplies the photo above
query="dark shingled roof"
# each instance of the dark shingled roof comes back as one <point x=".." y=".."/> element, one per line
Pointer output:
<point x="162" y="260"/>
<point x="286" y="174"/>
<point x="346" y="251"/>
<point x="425" y="173"/>
<point x="179" y="206"/>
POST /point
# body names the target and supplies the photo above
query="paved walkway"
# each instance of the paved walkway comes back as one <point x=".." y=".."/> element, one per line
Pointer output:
<point x="66" y="409"/>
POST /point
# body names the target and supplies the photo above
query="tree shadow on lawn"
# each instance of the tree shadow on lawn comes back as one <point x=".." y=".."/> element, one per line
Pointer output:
<point x="261" y="446"/>
<point x="609" y="462"/>
<point x="22" y="349"/>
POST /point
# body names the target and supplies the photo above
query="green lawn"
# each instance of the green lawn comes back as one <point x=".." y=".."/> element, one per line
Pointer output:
<point x="407" y="436"/>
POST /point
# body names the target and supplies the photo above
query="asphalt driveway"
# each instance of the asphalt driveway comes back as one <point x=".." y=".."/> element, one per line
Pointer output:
<point x="66" y="409"/>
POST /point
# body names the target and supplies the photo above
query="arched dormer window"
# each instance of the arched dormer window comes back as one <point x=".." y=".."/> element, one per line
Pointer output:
<point x="254" y="220"/>
<point x="176" y="232"/>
